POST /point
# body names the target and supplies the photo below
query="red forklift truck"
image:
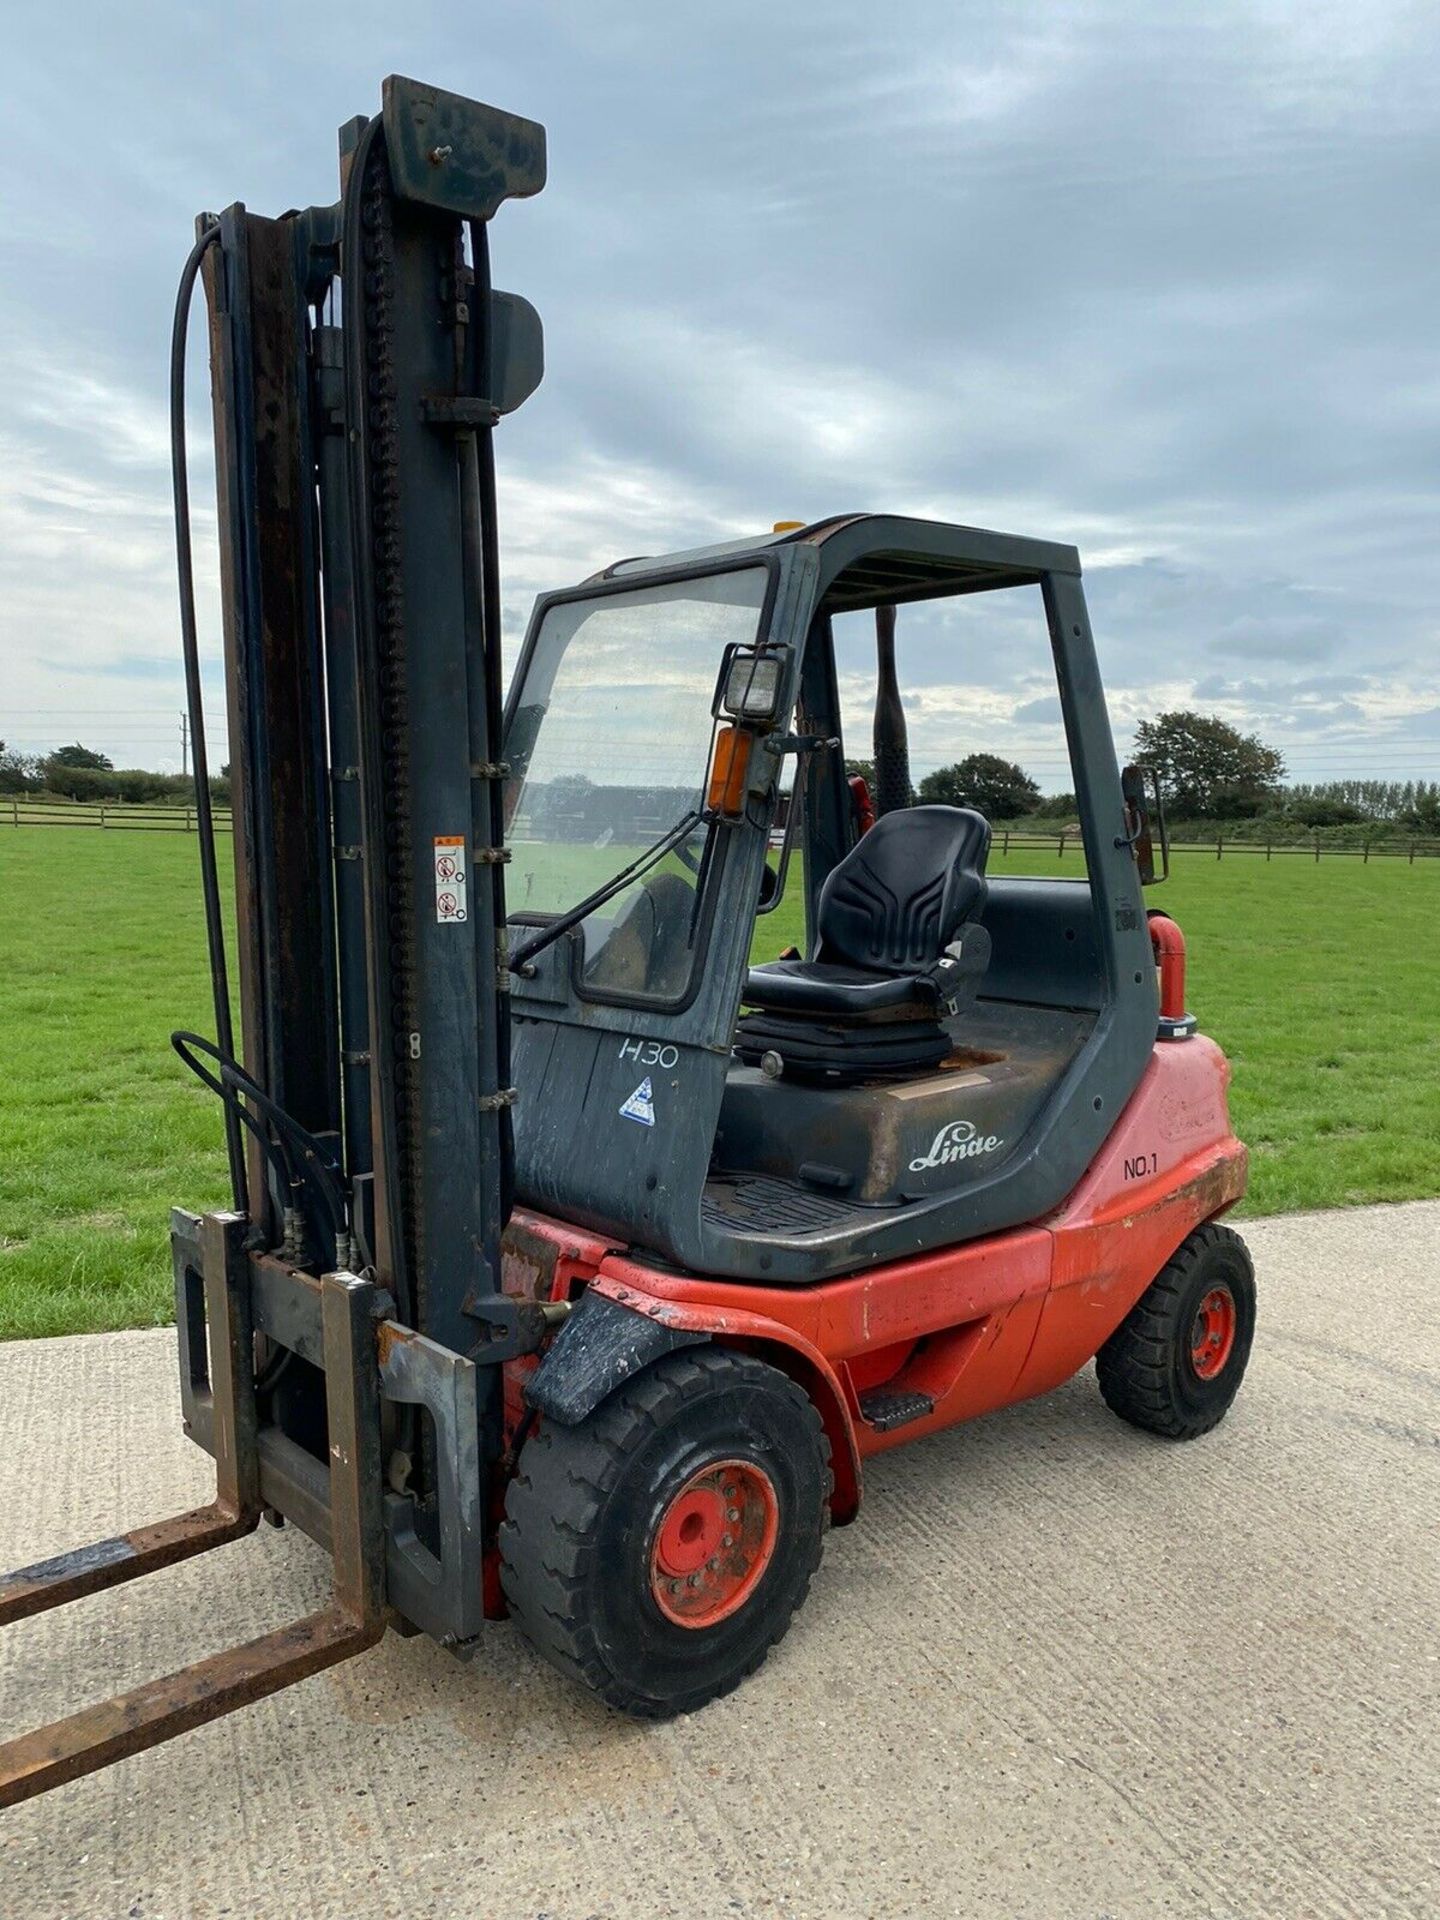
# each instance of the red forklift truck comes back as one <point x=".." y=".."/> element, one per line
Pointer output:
<point x="574" y="1265"/>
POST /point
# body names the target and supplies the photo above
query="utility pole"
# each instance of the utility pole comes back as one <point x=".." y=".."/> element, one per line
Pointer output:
<point x="184" y="745"/>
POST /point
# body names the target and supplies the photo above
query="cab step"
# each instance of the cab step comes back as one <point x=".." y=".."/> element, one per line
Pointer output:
<point x="886" y="1408"/>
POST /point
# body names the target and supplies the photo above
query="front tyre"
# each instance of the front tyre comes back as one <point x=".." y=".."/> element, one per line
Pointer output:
<point x="658" y="1549"/>
<point x="1176" y="1360"/>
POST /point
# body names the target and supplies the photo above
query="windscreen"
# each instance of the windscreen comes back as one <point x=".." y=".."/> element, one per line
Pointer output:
<point x="608" y="745"/>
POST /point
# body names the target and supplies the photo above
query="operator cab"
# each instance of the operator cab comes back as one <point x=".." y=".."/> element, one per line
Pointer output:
<point x="951" y="1047"/>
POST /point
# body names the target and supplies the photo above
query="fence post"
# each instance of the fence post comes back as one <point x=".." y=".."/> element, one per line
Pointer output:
<point x="1061" y="854"/>
<point x="1219" y="847"/>
<point x="1267" y="849"/>
<point x="187" y="819"/>
<point x="1006" y="847"/>
<point x="1366" y="861"/>
<point x="102" y="816"/>
<point x="1412" y="853"/>
<point x="1317" y="846"/>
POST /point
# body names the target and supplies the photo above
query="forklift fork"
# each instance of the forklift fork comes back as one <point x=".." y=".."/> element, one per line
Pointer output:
<point x="355" y="1619"/>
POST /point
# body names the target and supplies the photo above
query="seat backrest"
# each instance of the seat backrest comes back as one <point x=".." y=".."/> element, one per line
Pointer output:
<point x="898" y="898"/>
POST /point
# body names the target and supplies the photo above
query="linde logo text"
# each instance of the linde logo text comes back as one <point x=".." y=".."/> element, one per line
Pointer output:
<point x="956" y="1141"/>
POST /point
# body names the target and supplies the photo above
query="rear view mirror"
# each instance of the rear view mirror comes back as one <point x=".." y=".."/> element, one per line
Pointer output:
<point x="1145" y="823"/>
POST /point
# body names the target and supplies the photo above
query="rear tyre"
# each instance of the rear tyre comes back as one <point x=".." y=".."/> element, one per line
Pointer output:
<point x="656" y="1551"/>
<point x="1176" y="1361"/>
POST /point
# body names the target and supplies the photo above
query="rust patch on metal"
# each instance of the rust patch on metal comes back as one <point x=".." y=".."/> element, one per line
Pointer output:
<point x="969" y="1057"/>
<point x="161" y="1709"/>
<point x="125" y="1556"/>
<point x="1219" y="1186"/>
<point x="388" y="1337"/>
<point x="527" y="1263"/>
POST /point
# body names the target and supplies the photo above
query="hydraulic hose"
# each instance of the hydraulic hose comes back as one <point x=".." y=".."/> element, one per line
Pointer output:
<point x="190" y="645"/>
<point x="297" y="1156"/>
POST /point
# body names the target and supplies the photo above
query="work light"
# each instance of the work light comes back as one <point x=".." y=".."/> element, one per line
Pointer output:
<point x="752" y="686"/>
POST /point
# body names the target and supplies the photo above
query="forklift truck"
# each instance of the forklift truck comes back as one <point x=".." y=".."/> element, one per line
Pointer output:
<point x="574" y="1265"/>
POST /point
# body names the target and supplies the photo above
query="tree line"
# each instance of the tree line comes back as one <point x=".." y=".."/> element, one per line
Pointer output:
<point x="80" y="773"/>
<point x="1210" y="774"/>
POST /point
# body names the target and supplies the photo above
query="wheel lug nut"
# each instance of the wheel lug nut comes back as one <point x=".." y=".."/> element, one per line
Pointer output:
<point x="694" y="1579"/>
<point x="728" y="1540"/>
<point x="733" y="1514"/>
<point x="713" y="1565"/>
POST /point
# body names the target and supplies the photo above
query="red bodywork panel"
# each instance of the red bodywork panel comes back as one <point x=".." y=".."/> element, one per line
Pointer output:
<point x="975" y="1326"/>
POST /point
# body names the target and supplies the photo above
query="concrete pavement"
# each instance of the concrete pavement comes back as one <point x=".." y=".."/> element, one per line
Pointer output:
<point x="1057" y="1669"/>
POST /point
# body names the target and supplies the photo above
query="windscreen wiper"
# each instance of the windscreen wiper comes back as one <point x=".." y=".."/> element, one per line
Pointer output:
<point x="553" y="930"/>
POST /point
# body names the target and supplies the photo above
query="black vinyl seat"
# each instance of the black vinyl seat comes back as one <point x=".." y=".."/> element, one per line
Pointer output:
<point x="803" y="986"/>
<point x="898" y="949"/>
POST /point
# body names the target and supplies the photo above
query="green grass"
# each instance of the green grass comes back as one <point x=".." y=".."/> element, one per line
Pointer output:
<point x="1319" y="980"/>
<point x="102" y="954"/>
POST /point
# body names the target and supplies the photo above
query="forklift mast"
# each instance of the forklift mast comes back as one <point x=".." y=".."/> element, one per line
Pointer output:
<point x="360" y="361"/>
<point x="341" y="1329"/>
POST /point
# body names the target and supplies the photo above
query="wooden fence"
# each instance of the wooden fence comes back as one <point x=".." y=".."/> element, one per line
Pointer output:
<point x="1219" y="848"/>
<point x="1068" y="845"/>
<point x="17" y="811"/>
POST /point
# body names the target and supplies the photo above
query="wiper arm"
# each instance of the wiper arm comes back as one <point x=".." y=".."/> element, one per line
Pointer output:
<point x="553" y="930"/>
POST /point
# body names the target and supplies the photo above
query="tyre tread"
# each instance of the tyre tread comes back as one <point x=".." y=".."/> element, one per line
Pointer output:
<point x="1133" y="1366"/>
<point x="555" y="1499"/>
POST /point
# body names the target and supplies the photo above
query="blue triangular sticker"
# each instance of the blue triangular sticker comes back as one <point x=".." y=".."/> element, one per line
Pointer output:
<point x="641" y="1104"/>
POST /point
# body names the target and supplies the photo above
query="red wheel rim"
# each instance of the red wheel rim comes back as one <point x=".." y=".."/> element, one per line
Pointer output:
<point x="1212" y="1336"/>
<point x="713" y="1543"/>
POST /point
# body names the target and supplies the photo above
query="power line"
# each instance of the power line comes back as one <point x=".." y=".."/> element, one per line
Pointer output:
<point x="108" y="713"/>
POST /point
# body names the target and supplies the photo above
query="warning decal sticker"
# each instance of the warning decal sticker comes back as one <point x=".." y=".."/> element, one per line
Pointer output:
<point x="449" y="877"/>
<point x="641" y="1104"/>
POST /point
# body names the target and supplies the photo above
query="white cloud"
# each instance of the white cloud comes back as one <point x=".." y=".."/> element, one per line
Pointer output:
<point x="1151" y="281"/>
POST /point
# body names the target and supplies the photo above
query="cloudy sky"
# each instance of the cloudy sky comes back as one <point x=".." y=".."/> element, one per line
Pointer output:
<point x="1160" y="280"/>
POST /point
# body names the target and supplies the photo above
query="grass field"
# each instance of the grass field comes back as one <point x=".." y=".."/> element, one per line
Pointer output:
<point x="1319" y="979"/>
